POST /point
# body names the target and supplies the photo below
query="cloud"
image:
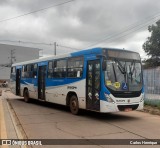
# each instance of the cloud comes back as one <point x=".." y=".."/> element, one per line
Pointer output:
<point x="77" y="24"/>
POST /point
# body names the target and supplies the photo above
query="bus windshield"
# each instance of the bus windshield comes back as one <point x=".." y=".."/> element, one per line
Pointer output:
<point x="123" y="75"/>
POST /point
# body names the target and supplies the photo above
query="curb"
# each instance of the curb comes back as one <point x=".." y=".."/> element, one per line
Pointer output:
<point x="16" y="123"/>
<point x="2" y="124"/>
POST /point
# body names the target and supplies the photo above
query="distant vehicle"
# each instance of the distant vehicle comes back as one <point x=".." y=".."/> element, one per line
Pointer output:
<point x="5" y="84"/>
<point x="98" y="79"/>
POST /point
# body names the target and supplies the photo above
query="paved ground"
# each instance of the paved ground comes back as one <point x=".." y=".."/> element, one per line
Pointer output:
<point x="40" y="120"/>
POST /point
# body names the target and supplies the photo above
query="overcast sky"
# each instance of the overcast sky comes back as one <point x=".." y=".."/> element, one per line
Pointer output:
<point x="79" y="24"/>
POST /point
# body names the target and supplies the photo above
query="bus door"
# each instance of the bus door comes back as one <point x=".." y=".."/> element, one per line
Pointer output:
<point x="41" y="82"/>
<point x="93" y="85"/>
<point x="18" y="80"/>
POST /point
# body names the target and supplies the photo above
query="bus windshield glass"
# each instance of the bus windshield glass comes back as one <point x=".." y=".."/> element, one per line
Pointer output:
<point x="123" y="75"/>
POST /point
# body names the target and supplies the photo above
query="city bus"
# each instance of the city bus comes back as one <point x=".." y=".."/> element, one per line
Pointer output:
<point x="98" y="79"/>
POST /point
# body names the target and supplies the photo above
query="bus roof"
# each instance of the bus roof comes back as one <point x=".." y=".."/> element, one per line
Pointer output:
<point x="77" y="53"/>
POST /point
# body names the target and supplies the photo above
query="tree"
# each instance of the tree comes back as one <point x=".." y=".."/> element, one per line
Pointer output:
<point x="152" y="45"/>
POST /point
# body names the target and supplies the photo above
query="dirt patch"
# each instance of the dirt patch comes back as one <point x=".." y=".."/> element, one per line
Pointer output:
<point x="151" y="110"/>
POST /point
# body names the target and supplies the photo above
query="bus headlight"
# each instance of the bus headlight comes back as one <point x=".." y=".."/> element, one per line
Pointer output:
<point x="108" y="98"/>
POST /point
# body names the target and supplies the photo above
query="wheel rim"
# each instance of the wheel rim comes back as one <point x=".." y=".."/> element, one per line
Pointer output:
<point x="74" y="105"/>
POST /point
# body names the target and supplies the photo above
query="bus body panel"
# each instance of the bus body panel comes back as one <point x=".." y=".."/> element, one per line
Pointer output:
<point x="57" y="94"/>
<point x="31" y="85"/>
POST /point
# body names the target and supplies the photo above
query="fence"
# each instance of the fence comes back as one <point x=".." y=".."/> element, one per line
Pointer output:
<point x="152" y="83"/>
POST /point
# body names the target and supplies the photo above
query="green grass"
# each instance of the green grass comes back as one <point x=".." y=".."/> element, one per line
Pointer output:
<point x="152" y="102"/>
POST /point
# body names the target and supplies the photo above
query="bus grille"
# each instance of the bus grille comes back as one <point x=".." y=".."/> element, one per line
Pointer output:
<point x="123" y="107"/>
<point x="127" y="95"/>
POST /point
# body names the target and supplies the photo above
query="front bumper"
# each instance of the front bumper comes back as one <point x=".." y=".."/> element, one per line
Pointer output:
<point x="114" y="107"/>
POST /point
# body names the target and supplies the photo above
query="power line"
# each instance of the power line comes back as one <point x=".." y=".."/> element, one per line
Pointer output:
<point x="130" y="32"/>
<point x="68" y="47"/>
<point x="27" y="42"/>
<point x="39" y="43"/>
<point x="129" y="28"/>
<point x="111" y="37"/>
<point x="122" y="35"/>
<point x="35" y="11"/>
<point x="115" y="35"/>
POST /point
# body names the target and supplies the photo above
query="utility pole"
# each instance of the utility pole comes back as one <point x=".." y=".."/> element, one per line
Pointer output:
<point x="55" y="44"/>
<point x="12" y="56"/>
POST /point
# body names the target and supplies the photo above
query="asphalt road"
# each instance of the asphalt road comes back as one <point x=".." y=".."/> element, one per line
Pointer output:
<point x="41" y="120"/>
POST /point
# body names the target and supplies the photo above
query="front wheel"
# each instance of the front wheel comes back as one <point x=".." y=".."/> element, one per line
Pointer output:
<point x="74" y="106"/>
<point x="26" y="96"/>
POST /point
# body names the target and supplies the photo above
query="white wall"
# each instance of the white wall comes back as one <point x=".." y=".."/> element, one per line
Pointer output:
<point x="21" y="54"/>
<point x="4" y="73"/>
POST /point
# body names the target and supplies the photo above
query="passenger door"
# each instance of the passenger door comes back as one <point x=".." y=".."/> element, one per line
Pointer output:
<point x="93" y="85"/>
<point x="41" y="82"/>
<point x="18" y="80"/>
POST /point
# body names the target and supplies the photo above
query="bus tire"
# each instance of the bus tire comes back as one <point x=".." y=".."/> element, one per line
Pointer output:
<point x="74" y="106"/>
<point x="26" y="96"/>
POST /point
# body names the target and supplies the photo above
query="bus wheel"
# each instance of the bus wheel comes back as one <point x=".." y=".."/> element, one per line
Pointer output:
<point x="26" y="95"/>
<point x="74" y="107"/>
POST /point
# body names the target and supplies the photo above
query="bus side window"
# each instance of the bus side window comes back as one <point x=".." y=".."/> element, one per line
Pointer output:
<point x="11" y="69"/>
<point x="35" y="71"/>
<point x="29" y="71"/>
<point x="50" y="69"/>
<point x="75" y="67"/>
<point x="13" y="72"/>
<point x="25" y="71"/>
<point x="59" y="70"/>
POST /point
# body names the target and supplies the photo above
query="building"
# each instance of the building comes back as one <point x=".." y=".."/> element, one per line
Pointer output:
<point x="10" y="54"/>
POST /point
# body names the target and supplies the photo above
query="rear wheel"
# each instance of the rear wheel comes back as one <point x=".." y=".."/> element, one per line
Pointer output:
<point x="74" y="106"/>
<point x="26" y="95"/>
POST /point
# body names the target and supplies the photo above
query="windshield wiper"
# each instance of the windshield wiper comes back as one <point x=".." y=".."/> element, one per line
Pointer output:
<point x="122" y="69"/>
<point x="114" y="72"/>
<point x="131" y="70"/>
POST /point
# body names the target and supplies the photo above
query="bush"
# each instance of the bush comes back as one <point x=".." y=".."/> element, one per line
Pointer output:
<point x="152" y="102"/>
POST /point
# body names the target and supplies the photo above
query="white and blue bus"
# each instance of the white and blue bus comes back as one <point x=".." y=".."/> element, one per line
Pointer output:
<point x="98" y="79"/>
